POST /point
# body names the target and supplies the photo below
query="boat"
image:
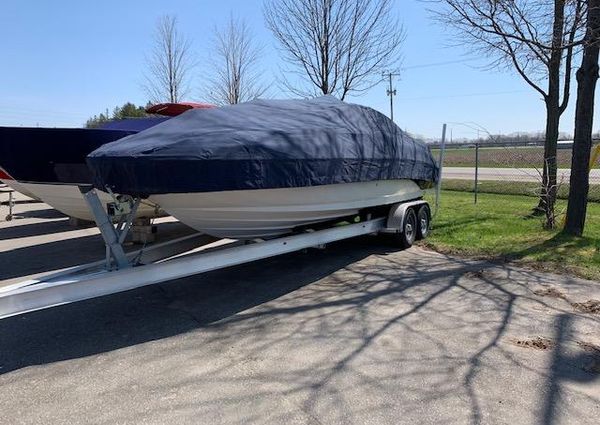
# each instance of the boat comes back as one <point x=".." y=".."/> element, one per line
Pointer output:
<point x="48" y="164"/>
<point x="9" y="181"/>
<point x="267" y="168"/>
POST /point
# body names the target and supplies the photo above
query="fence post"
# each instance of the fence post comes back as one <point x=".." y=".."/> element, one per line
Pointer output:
<point x="476" y="170"/>
<point x="440" y="164"/>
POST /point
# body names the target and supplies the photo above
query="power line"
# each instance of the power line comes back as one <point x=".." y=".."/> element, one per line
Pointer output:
<point x="466" y="95"/>
<point x="391" y="91"/>
<point x="428" y="65"/>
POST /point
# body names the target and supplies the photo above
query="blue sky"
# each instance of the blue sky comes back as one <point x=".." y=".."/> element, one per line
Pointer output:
<point x="65" y="60"/>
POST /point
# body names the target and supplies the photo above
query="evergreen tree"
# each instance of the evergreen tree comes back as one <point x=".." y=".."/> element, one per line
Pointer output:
<point x="128" y="110"/>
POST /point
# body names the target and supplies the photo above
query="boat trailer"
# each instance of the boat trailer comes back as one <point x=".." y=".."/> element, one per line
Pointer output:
<point x="175" y="259"/>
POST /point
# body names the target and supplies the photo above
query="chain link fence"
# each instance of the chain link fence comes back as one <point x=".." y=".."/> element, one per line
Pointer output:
<point x="511" y="169"/>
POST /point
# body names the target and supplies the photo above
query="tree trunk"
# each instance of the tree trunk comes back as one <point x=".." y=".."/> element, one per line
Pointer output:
<point x="587" y="76"/>
<point x="549" y="180"/>
<point x="552" y="101"/>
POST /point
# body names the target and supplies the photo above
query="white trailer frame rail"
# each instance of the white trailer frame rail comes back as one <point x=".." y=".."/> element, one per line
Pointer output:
<point x="164" y="262"/>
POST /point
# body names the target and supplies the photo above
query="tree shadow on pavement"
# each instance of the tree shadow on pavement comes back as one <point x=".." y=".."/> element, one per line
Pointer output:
<point x="35" y="229"/>
<point x="42" y="212"/>
<point x="354" y="333"/>
<point x="150" y="313"/>
<point x="569" y="364"/>
<point x="69" y="252"/>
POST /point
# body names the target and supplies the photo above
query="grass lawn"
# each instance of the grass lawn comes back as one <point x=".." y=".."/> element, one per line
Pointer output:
<point x="499" y="227"/>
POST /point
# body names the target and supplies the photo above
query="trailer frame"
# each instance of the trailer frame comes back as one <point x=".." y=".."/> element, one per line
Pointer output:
<point x="168" y="261"/>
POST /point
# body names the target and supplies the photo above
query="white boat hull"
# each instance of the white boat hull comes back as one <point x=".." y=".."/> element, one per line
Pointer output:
<point x="67" y="199"/>
<point x="19" y="187"/>
<point x="247" y="214"/>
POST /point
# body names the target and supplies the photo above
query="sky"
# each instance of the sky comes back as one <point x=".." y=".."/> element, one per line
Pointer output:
<point x="65" y="60"/>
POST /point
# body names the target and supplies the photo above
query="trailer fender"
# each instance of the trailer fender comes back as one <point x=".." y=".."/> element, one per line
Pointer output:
<point x="395" y="220"/>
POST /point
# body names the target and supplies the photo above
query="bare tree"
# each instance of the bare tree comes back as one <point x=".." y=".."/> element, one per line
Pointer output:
<point x="338" y="47"/>
<point x="537" y="39"/>
<point x="587" y="77"/>
<point x="235" y="59"/>
<point x="169" y="65"/>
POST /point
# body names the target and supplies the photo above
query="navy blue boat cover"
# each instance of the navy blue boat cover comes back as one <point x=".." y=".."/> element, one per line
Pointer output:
<point x="260" y="145"/>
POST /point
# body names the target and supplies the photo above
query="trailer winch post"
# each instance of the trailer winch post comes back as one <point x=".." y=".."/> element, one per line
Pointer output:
<point x="111" y="236"/>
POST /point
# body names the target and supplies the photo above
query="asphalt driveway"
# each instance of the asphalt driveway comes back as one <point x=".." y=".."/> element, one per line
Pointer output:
<point x="359" y="333"/>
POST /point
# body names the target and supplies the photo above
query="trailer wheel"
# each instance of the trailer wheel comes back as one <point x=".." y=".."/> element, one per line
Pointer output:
<point x="424" y="220"/>
<point x="409" y="229"/>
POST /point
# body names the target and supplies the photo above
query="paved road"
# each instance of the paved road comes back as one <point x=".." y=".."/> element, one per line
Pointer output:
<point x="509" y="174"/>
<point x="357" y="334"/>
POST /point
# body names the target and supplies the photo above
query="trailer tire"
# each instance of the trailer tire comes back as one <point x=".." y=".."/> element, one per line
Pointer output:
<point x="409" y="229"/>
<point x="423" y="222"/>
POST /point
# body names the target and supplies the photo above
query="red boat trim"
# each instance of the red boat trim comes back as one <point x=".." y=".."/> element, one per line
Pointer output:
<point x="4" y="175"/>
<point x="174" y="109"/>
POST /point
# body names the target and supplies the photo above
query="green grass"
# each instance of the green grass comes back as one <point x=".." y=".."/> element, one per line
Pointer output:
<point x="499" y="227"/>
<point x="512" y="188"/>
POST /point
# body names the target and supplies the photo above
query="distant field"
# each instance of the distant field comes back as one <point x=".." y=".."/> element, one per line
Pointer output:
<point x="504" y="157"/>
<point x="512" y="188"/>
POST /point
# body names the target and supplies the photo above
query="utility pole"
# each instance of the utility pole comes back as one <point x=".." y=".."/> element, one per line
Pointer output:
<point x="391" y="92"/>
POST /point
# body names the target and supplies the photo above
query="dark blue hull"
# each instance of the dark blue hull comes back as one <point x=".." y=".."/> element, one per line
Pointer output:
<point x="58" y="155"/>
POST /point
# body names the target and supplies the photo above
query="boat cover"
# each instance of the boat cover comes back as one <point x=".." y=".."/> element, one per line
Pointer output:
<point x="263" y="144"/>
